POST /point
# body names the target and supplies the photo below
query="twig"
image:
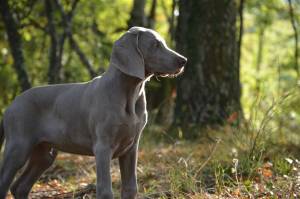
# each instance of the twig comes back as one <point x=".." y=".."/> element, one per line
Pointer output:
<point x="82" y="56"/>
<point x="32" y="22"/>
<point x="80" y="192"/>
<point x="67" y="19"/>
<point x="208" y="159"/>
<point x="157" y="194"/>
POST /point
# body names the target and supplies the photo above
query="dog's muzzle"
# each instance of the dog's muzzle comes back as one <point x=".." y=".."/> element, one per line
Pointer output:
<point x="171" y="75"/>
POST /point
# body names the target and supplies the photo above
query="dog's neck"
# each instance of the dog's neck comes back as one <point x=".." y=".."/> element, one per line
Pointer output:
<point x="129" y="88"/>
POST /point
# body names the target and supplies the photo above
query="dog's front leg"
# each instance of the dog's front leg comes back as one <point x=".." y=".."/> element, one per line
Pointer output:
<point x="128" y="173"/>
<point x="103" y="158"/>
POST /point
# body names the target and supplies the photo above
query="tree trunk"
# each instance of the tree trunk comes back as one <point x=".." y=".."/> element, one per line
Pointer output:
<point x="15" y="43"/>
<point x="137" y="14"/>
<point x="152" y="15"/>
<point x="53" y="70"/>
<point x="209" y="90"/>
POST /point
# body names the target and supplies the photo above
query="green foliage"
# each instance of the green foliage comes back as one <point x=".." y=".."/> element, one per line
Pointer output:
<point x="95" y="27"/>
<point x="271" y="97"/>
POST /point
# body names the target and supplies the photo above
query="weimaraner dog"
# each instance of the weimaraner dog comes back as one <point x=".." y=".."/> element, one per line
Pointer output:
<point x="103" y="117"/>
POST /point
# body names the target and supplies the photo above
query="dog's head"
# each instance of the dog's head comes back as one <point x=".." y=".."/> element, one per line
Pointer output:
<point x="142" y="52"/>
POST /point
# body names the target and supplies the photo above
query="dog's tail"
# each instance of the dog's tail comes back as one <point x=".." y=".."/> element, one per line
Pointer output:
<point x="1" y="134"/>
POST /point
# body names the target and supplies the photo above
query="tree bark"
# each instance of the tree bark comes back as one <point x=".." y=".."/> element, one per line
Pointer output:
<point x="209" y="90"/>
<point x="15" y="43"/>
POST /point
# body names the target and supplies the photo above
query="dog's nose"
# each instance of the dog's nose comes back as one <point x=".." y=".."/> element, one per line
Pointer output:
<point x="182" y="61"/>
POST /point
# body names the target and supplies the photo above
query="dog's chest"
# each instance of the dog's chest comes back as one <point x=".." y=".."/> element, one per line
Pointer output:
<point x="127" y="134"/>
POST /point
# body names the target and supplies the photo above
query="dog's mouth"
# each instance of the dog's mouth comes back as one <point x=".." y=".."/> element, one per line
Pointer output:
<point x="170" y="75"/>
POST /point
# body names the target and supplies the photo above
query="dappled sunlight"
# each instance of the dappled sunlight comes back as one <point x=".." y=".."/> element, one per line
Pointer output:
<point x="87" y="77"/>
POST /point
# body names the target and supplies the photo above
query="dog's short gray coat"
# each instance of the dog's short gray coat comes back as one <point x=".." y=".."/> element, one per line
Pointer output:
<point x="103" y="117"/>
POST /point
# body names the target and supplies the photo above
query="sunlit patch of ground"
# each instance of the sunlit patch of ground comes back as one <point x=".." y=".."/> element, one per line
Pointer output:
<point x="177" y="170"/>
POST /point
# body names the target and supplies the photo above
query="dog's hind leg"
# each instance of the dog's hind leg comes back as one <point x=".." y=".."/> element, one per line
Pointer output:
<point x="41" y="159"/>
<point x="15" y="156"/>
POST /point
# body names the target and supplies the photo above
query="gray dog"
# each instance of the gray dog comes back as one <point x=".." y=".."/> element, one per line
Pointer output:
<point x="103" y="117"/>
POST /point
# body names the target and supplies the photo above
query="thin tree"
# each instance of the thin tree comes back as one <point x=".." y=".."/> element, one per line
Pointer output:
<point x="152" y="15"/>
<point x="296" y="52"/>
<point x="137" y="14"/>
<point x="54" y="62"/>
<point x="259" y="59"/>
<point x="241" y="29"/>
<point x="15" y="43"/>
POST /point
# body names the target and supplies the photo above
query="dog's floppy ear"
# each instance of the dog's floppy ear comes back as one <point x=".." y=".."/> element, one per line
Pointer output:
<point x="127" y="57"/>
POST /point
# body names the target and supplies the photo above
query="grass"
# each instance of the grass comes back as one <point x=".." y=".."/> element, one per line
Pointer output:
<point x="259" y="159"/>
<point x="184" y="169"/>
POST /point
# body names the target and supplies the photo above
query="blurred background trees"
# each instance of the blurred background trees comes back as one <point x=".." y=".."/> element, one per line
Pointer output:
<point x="241" y="84"/>
<point x="239" y="52"/>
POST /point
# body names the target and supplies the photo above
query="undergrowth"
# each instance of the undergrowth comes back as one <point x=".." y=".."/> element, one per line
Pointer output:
<point x="258" y="159"/>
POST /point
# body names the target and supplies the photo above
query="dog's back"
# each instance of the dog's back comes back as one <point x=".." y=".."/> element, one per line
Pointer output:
<point x="38" y="110"/>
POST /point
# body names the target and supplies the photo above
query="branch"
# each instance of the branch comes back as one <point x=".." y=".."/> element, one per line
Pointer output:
<point x="79" y="193"/>
<point x="293" y="22"/>
<point x="33" y="23"/>
<point x="74" y="4"/>
<point x="24" y="11"/>
<point x="96" y="30"/>
<point x="57" y="42"/>
<point x="82" y="57"/>
<point x="67" y="19"/>
<point x="60" y="9"/>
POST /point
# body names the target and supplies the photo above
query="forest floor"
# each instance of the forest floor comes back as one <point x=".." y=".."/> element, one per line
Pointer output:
<point x="181" y="169"/>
